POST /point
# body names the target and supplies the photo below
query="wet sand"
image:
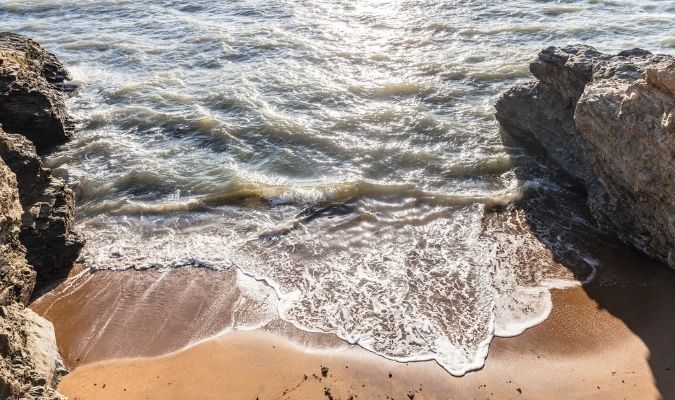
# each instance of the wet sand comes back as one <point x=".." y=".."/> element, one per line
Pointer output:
<point x="116" y="314"/>
<point x="248" y="365"/>
<point x="111" y="314"/>
<point x="611" y="339"/>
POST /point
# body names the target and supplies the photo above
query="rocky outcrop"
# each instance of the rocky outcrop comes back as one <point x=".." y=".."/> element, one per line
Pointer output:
<point x="609" y="122"/>
<point x="32" y="90"/>
<point x="37" y="238"/>
<point x="47" y="229"/>
<point x="17" y="279"/>
<point x="33" y="85"/>
<point x="30" y="365"/>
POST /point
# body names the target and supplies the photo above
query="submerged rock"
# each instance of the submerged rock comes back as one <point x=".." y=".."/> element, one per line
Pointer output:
<point x="32" y="92"/>
<point x="609" y="122"/>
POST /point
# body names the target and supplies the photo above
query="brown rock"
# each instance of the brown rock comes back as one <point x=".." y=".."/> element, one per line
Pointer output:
<point x="16" y="277"/>
<point x="36" y="215"/>
<point x="47" y="229"/>
<point x="608" y="121"/>
<point x="662" y="76"/>
<point x="32" y="91"/>
<point x="30" y="365"/>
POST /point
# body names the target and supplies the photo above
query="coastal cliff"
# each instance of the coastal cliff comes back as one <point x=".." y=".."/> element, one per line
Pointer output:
<point x="38" y="242"/>
<point x="33" y="89"/>
<point x="609" y="122"/>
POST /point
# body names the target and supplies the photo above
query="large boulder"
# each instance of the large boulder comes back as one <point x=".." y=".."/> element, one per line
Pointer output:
<point x="30" y="364"/>
<point x="609" y="122"/>
<point x="32" y="92"/>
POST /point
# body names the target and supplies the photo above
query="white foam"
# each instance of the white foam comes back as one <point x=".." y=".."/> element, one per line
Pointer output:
<point x="217" y="94"/>
<point x="410" y="285"/>
<point x="302" y="196"/>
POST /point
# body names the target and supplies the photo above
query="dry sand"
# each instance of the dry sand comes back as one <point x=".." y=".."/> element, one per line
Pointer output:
<point x="612" y="339"/>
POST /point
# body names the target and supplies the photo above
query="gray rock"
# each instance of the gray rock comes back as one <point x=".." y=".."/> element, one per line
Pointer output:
<point x="609" y="122"/>
<point x="30" y="364"/>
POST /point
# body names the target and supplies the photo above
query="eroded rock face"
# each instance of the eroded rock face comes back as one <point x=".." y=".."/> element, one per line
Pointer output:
<point x="30" y="365"/>
<point x="609" y="121"/>
<point x="32" y="86"/>
<point x="16" y="277"/>
<point x="33" y="113"/>
<point x="47" y="229"/>
<point x="37" y="240"/>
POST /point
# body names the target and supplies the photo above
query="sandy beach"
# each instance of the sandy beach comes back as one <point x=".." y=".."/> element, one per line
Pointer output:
<point x="135" y="338"/>
<point x="337" y="200"/>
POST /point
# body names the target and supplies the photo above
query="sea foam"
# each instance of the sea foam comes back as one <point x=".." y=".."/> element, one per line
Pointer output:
<point x="343" y="156"/>
<point x="406" y="282"/>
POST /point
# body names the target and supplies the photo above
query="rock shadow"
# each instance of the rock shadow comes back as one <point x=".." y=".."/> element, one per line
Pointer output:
<point x="633" y="287"/>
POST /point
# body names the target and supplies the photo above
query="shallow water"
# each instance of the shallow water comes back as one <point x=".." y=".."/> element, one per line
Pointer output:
<point x="342" y="152"/>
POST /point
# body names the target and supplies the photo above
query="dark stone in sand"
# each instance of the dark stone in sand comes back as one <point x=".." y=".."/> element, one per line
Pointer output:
<point x="609" y="122"/>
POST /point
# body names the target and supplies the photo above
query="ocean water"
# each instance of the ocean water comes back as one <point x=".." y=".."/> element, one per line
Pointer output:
<point x="344" y="153"/>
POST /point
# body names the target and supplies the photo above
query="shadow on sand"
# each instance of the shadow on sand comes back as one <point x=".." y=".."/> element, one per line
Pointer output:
<point x="626" y="283"/>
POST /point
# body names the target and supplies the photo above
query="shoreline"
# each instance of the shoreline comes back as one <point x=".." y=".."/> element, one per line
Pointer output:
<point x="268" y="365"/>
<point x="597" y="335"/>
<point x="197" y="333"/>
